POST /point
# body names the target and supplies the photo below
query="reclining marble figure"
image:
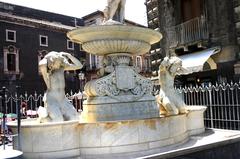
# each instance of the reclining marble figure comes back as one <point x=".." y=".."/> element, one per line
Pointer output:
<point x="115" y="10"/>
<point x="56" y="105"/>
<point x="169" y="101"/>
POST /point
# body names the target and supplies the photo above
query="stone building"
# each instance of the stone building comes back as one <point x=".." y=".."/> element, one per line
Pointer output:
<point x="26" y="36"/>
<point x="93" y="63"/>
<point x="192" y="27"/>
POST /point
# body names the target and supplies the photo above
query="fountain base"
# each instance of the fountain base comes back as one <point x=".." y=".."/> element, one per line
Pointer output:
<point x="72" y="139"/>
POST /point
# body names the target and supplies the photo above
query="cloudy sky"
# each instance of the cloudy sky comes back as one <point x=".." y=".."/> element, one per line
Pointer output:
<point x="135" y="9"/>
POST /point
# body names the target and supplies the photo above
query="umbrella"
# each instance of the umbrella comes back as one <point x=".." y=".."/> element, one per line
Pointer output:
<point x="11" y="115"/>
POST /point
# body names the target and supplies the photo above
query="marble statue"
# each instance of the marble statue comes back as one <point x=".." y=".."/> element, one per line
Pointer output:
<point x="169" y="101"/>
<point x="115" y="10"/>
<point x="56" y="105"/>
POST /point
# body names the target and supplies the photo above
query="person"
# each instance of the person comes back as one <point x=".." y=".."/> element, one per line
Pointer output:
<point x="56" y="105"/>
<point x="23" y="109"/>
<point x="115" y="10"/>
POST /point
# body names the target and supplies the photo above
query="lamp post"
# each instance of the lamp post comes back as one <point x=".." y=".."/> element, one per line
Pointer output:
<point x="81" y="77"/>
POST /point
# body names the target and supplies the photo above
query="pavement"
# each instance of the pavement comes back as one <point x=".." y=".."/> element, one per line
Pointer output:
<point x="8" y="152"/>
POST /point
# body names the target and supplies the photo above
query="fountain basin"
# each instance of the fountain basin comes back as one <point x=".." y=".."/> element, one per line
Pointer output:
<point x="108" y="39"/>
<point x="124" y="108"/>
<point x="74" y="139"/>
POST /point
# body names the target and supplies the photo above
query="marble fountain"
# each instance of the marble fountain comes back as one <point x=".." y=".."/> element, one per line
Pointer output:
<point x="120" y="114"/>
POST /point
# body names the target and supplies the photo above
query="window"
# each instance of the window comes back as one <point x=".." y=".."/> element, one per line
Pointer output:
<point x="191" y="9"/>
<point x="11" y="35"/>
<point x="11" y="60"/>
<point x="70" y="45"/>
<point x="80" y="47"/>
<point x="11" y="64"/>
<point x="92" y="61"/>
<point x="147" y="64"/>
<point x="43" y="40"/>
<point x="139" y="62"/>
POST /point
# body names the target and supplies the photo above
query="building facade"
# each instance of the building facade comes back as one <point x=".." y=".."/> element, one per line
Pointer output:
<point x="93" y="62"/>
<point x="26" y="36"/>
<point x="195" y="26"/>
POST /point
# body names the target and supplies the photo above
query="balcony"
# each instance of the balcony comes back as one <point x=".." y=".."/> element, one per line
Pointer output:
<point x="188" y="32"/>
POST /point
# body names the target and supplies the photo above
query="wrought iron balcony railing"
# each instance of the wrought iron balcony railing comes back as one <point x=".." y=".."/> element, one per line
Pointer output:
<point x="188" y="32"/>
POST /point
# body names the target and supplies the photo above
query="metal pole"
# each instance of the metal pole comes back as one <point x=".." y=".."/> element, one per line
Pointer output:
<point x="80" y="85"/>
<point x="18" y="119"/>
<point x="210" y="106"/>
<point x="4" y="115"/>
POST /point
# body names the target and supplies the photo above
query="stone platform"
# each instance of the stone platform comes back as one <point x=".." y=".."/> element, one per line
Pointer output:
<point x="74" y="139"/>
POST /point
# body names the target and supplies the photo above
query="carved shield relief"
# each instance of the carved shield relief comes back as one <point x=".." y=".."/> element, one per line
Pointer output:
<point x="125" y="78"/>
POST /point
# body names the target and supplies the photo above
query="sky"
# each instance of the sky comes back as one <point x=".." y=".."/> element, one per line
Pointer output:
<point x="135" y="10"/>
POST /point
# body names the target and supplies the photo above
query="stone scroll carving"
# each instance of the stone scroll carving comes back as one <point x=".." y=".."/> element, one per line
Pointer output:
<point x="106" y="86"/>
<point x="143" y="86"/>
<point x="109" y="85"/>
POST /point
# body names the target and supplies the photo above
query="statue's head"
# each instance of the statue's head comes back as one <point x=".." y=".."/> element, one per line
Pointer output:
<point x="173" y="65"/>
<point x="176" y="65"/>
<point x="54" y="60"/>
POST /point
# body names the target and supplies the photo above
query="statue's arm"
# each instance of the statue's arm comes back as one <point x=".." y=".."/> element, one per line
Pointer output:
<point x="43" y="69"/>
<point x="70" y="62"/>
<point x="184" y="71"/>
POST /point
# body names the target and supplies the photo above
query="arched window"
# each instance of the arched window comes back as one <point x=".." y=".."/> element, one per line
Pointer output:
<point x="11" y="60"/>
<point x="147" y="64"/>
<point x="139" y="62"/>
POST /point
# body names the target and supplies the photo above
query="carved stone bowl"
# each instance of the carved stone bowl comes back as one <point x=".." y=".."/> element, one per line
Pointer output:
<point x="111" y="39"/>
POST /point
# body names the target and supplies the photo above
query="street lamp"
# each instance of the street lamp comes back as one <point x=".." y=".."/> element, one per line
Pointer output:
<point x="81" y="77"/>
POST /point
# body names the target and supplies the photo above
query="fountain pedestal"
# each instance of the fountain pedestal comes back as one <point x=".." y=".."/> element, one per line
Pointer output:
<point x="122" y="93"/>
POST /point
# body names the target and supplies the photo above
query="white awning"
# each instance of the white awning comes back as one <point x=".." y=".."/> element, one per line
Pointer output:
<point x="194" y="62"/>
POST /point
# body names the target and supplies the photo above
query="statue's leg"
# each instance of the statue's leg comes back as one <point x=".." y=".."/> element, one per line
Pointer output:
<point x="122" y="11"/>
<point x="162" y="110"/>
<point x="182" y="109"/>
<point x="54" y="111"/>
<point x="170" y="107"/>
<point x="68" y="110"/>
<point x="180" y="104"/>
<point x="113" y="7"/>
